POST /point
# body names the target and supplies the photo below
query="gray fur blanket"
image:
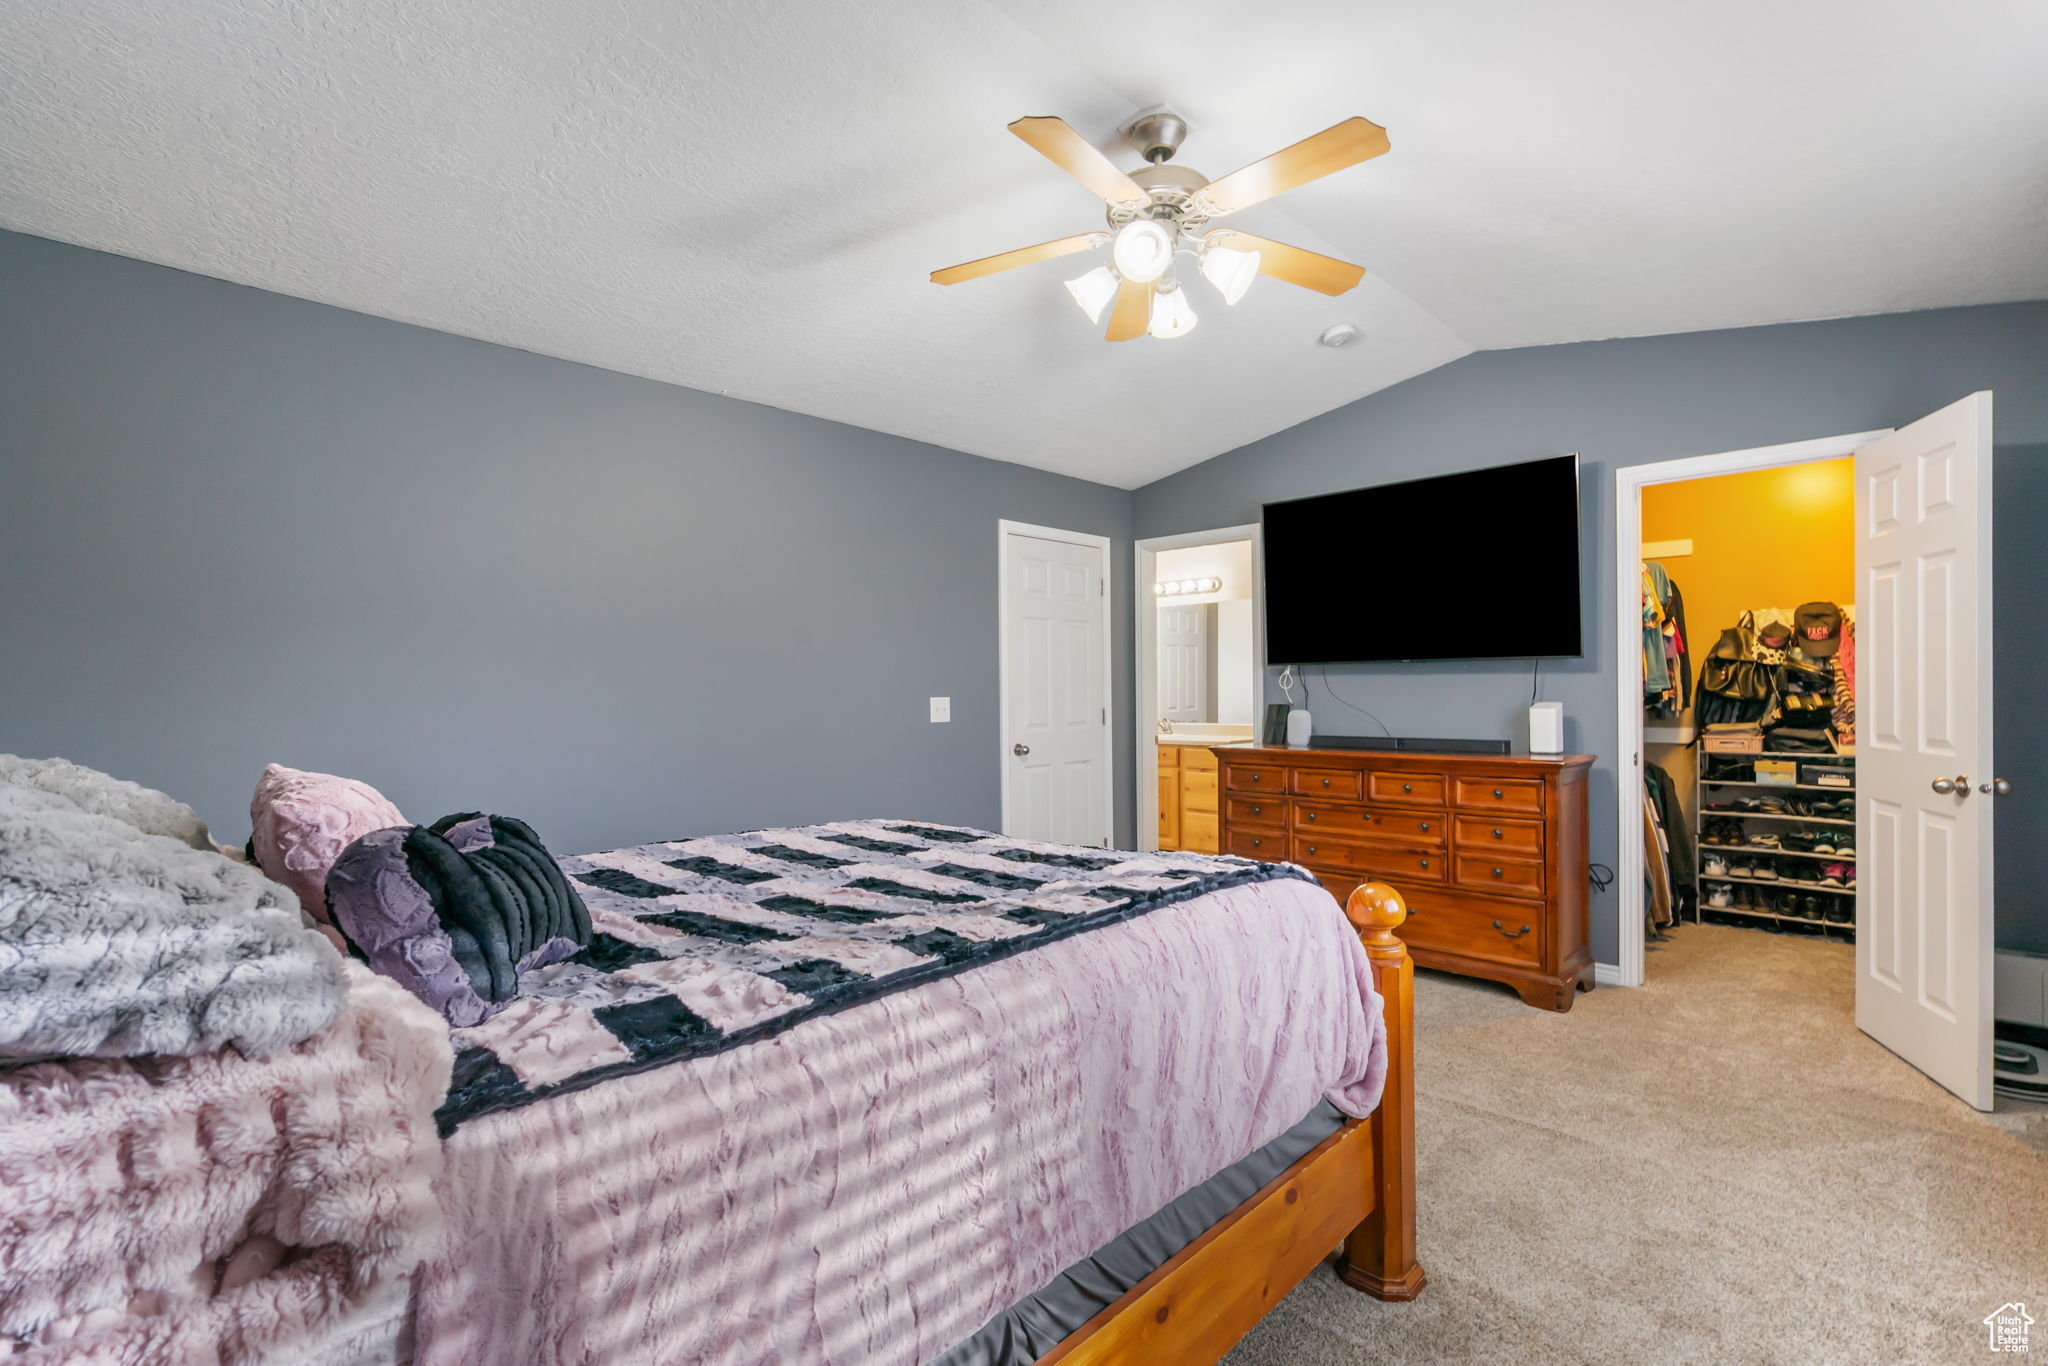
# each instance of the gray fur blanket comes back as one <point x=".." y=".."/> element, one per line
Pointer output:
<point x="117" y="942"/>
<point x="148" y="810"/>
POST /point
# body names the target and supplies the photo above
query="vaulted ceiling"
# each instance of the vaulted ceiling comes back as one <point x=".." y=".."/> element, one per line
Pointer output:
<point x="747" y="197"/>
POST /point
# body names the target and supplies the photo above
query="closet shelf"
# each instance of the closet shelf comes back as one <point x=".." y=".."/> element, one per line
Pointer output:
<point x="1753" y="850"/>
<point x="1775" y="754"/>
<point x="1775" y="816"/>
<point x="1790" y="787"/>
<point x="1790" y="884"/>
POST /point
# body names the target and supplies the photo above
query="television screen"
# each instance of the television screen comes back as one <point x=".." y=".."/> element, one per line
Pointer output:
<point x="1479" y="565"/>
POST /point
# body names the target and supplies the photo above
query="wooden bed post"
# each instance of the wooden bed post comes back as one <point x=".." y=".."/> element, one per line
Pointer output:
<point x="1379" y="1256"/>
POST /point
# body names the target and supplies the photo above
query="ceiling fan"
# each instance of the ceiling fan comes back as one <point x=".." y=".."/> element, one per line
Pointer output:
<point x="1161" y="211"/>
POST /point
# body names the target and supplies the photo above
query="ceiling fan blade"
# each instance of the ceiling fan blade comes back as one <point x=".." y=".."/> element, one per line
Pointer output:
<point x="1347" y="144"/>
<point x="1075" y="155"/>
<point x="1309" y="269"/>
<point x="1132" y="313"/>
<point x="1022" y="256"/>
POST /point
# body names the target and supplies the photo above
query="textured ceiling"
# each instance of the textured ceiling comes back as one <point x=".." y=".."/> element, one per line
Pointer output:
<point x="747" y="197"/>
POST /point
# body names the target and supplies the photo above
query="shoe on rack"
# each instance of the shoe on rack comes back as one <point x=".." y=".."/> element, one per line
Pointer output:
<point x="1763" y="841"/>
<point x="1764" y="872"/>
<point x="1788" y="904"/>
<point x="1823" y="845"/>
<point x="1798" y="806"/>
<point x="1834" y="874"/>
<point x="1719" y="898"/>
<point x="1801" y="841"/>
<point x="1845" y="846"/>
<point x="1801" y="873"/>
<point x="1714" y="866"/>
<point x="1842" y="911"/>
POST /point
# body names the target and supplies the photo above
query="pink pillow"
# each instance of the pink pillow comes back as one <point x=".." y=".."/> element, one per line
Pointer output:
<point x="302" y="821"/>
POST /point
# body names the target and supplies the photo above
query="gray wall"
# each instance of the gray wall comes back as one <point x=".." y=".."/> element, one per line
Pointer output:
<point x="1636" y="401"/>
<point x="237" y="527"/>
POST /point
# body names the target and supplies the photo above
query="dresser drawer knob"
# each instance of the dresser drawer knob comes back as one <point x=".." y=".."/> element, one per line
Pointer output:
<point x="1257" y="809"/>
<point x="1311" y="848"/>
<point x="1309" y="816"/>
<point x="1425" y="827"/>
<point x="1410" y="787"/>
<point x="1255" y="777"/>
<point x="1496" y="833"/>
<point x="1512" y="934"/>
<point x="1425" y="863"/>
<point x="1326" y="782"/>
<point x="1496" y="872"/>
<point x="1496" y="794"/>
<point x="1256" y="842"/>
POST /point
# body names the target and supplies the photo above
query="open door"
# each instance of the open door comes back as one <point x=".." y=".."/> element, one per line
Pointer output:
<point x="1923" y="745"/>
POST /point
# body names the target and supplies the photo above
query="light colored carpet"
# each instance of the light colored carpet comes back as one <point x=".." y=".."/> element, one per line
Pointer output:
<point x="1717" y="1167"/>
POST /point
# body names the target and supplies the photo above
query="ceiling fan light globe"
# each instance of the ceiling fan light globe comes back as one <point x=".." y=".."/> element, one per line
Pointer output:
<point x="1093" y="291"/>
<point x="1230" y="270"/>
<point x="1143" y="250"/>
<point x="1172" y="315"/>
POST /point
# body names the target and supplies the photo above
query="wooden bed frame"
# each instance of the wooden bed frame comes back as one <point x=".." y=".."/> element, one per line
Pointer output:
<point x="1356" y="1187"/>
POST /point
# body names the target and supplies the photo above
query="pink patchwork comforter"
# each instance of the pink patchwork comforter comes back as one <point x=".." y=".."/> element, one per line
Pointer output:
<point x="870" y="1187"/>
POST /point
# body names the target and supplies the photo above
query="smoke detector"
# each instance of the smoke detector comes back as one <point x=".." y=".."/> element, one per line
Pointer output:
<point x="1339" y="334"/>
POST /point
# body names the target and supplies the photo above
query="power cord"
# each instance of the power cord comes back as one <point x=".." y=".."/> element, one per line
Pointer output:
<point x="1600" y="875"/>
<point x="1325" y="674"/>
<point x="1534" y="672"/>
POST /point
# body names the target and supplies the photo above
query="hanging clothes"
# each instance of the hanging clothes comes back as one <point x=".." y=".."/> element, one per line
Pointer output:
<point x="1667" y="667"/>
<point x="1681" y="856"/>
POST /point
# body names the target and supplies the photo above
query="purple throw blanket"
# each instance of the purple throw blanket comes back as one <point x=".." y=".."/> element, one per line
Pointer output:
<point x="867" y="1187"/>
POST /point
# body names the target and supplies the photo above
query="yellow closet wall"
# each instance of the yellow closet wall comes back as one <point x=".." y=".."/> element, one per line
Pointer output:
<point x="1771" y="537"/>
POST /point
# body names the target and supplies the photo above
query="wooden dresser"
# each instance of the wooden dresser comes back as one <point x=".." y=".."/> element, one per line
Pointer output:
<point x="1488" y="850"/>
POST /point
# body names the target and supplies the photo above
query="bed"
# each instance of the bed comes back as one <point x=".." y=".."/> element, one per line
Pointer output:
<point x="1005" y="1163"/>
<point x="856" y="1094"/>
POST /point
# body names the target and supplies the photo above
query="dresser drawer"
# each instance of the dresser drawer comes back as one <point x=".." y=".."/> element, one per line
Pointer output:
<point x="1198" y="832"/>
<point x="1260" y="811"/>
<point x="1408" y="829"/>
<point x="1500" y="794"/>
<point x="1338" y="784"/>
<point x="1198" y="790"/>
<point x="1256" y="778"/>
<point x="1169" y="756"/>
<point x="1267" y="846"/>
<point x="1405" y="789"/>
<point x="1475" y="927"/>
<point x="1194" y="756"/>
<point x="1481" y="837"/>
<point x="1505" y="876"/>
<point x="1382" y="862"/>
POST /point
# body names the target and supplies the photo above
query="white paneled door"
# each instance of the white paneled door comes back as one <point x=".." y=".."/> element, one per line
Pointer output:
<point x="1056" y="769"/>
<point x="1926" y="791"/>
<point x="1183" y="663"/>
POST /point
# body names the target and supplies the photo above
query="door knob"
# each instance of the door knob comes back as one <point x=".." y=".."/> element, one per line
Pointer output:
<point x="1959" y="784"/>
<point x="1997" y="787"/>
<point x="1020" y="750"/>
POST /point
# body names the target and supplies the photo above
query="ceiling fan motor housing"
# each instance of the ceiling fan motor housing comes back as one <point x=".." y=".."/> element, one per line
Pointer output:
<point x="1156" y="133"/>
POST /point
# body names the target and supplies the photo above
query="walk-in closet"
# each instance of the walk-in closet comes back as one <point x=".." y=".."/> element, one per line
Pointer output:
<point x="1749" y="668"/>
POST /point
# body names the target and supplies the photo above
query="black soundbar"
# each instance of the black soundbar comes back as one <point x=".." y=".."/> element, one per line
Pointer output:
<point x="1409" y="742"/>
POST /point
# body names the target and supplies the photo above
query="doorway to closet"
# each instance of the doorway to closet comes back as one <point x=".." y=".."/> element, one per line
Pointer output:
<point x="1749" y="734"/>
<point x="1775" y="782"/>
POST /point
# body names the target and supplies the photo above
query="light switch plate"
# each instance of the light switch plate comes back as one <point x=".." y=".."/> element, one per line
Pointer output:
<point x="942" y="709"/>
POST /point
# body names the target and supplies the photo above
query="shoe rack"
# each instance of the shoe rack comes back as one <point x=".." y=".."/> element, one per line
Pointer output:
<point x="1786" y="852"/>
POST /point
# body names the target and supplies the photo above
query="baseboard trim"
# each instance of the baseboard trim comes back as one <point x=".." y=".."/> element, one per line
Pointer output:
<point x="1608" y="974"/>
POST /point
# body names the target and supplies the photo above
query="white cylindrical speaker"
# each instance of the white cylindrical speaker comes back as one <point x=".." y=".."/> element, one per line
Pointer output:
<point x="1546" y="728"/>
<point x="1298" y="729"/>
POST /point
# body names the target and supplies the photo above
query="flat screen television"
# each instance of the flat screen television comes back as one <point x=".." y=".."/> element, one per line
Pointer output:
<point x="1478" y="565"/>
